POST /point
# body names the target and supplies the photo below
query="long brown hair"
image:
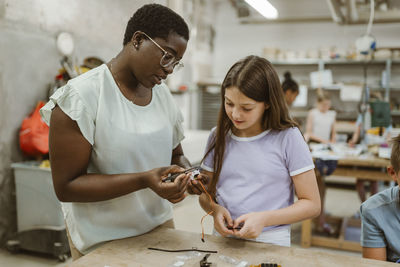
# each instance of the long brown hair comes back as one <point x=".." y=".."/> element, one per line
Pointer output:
<point x="255" y="78"/>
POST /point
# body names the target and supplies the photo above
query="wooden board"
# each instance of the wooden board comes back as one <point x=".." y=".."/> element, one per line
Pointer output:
<point x="368" y="174"/>
<point x="372" y="162"/>
<point x="134" y="252"/>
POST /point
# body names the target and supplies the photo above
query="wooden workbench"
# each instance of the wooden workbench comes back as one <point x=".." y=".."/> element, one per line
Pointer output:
<point x="133" y="252"/>
<point x="371" y="168"/>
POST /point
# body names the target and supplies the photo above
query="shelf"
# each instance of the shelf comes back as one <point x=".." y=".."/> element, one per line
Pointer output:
<point x="395" y="113"/>
<point x="378" y="88"/>
<point x="373" y="62"/>
<point x="308" y="61"/>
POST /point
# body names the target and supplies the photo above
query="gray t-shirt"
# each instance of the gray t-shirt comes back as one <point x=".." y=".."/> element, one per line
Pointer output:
<point x="380" y="216"/>
<point x="256" y="172"/>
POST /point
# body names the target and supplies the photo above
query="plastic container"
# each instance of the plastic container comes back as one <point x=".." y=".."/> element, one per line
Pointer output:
<point x="37" y="204"/>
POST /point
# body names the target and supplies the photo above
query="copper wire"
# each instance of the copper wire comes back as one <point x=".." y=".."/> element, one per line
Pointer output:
<point x="202" y="218"/>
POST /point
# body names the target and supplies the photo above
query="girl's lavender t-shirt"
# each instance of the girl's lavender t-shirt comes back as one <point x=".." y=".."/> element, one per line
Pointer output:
<point x="256" y="172"/>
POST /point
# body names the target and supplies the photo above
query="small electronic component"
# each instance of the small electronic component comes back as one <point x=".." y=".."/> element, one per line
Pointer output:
<point x="236" y="228"/>
<point x="194" y="172"/>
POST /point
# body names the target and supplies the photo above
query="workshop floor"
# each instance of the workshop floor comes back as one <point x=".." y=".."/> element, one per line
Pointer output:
<point x="187" y="215"/>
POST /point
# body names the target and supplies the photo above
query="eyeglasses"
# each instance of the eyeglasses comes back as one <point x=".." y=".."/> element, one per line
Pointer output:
<point x="167" y="59"/>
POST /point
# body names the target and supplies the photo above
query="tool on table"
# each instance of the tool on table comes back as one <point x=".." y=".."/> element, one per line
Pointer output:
<point x="266" y="264"/>
<point x="204" y="262"/>
<point x="195" y="171"/>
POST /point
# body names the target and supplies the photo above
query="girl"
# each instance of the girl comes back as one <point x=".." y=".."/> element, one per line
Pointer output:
<point x="320" y="128"/>
<point x="254" y="157"/>
<point x="290" y="88"/>
<point x="321" y="121"/>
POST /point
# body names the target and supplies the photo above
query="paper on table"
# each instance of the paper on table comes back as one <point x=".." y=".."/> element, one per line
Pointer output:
<point x="351" y="92"/>
<point x="335" y="151"/>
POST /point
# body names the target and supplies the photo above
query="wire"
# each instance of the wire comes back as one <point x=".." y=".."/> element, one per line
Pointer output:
<point x="184" y="250"/>
<point x="371" y="17"/>
<point x="202" y="218"/>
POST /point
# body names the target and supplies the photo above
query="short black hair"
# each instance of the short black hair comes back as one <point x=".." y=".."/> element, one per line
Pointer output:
<point x="289" y="83"/>
<point x="156" y="21"/>
<point x="395" y="156"/>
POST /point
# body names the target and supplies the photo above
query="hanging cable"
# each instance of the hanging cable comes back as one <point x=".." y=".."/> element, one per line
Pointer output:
<point x="371" y="17"/>
<point x="202" y="218"/>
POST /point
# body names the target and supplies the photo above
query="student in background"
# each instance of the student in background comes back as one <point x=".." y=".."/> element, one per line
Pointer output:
<point x="255" y="157"/>
<point x="320" y="128"/>
<point x="356" y="138"/>
<point x="290" y="88"/>
<point x="380" y="215"/>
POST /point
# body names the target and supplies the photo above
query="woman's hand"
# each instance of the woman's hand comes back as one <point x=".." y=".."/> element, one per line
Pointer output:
<point x="171" y="191"/>
<point x="251" y="225"/>
<point x="222" y="220"/>
<point x="194" y="186"/>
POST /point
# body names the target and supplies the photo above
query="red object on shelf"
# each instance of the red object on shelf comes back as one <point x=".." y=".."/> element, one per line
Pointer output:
<point x="34" y="134"/>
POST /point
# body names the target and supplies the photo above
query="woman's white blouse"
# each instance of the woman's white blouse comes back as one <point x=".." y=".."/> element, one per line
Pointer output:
<point x="125" y="138"/>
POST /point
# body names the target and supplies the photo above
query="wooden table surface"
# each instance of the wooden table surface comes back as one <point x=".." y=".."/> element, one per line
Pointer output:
<point x="371" y="168"/>
<point x="133" y="252"/>
<point x="360" y="161"/>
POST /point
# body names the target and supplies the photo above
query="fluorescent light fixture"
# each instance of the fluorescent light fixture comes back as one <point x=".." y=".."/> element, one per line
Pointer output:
<point x="264" y="8"/>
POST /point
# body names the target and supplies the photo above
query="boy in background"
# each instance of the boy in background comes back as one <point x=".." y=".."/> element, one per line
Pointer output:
<point x="380" y="214"/>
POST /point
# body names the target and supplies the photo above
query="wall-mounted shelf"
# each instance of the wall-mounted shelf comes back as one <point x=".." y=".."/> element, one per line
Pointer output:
<point x="308" y="61"/>
<point x="323" y="63"/>
<point x="392" y="89"/>
<point x="395" y="113"/>
<point x="210" y="99"/>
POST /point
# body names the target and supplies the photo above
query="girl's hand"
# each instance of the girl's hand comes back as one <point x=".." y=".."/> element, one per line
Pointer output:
<point x="194" y="186"/>
<point x="351" y="143"/>
<point x="174" y="192"/>
<point x="252" y="225"/>
<point x="222" y="220"/>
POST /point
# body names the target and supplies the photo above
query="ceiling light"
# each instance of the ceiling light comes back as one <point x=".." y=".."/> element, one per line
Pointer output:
<point x="264" y="8"/>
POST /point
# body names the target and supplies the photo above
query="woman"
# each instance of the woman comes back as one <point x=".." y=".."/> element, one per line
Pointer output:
<point x="115" y="131"/>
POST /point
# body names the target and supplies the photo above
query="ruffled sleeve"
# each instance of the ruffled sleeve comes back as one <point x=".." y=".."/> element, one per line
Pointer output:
<point x="72" y="104"/>
<point x="178" y="134"/>
<point x="208" y="163"/>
